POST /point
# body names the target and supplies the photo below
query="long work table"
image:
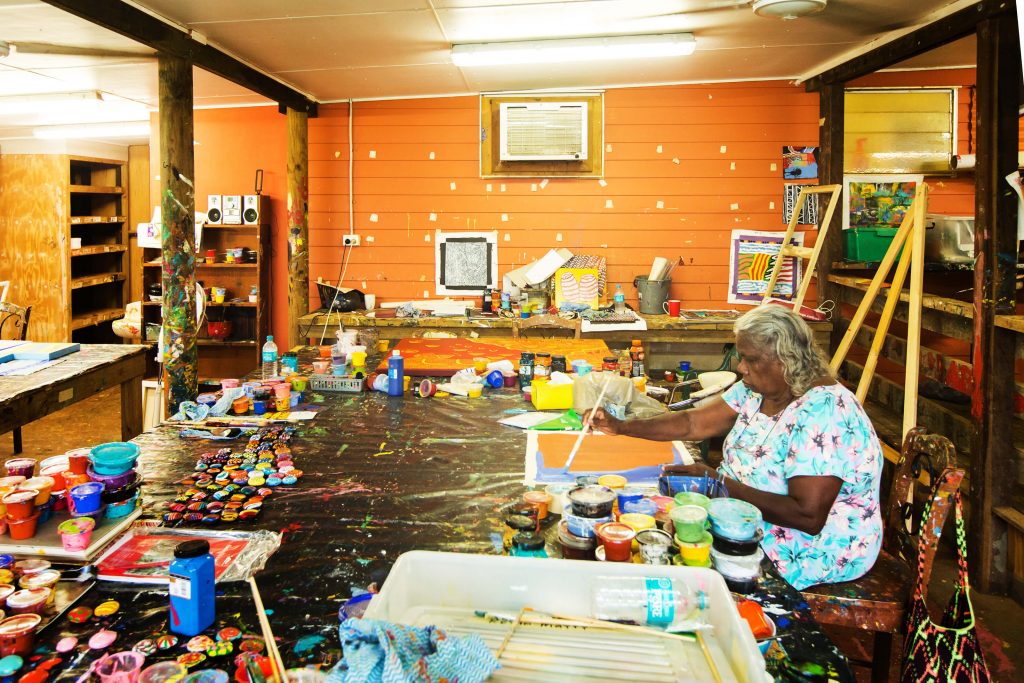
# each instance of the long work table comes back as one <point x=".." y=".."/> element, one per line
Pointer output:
<point x="383" y="475"/>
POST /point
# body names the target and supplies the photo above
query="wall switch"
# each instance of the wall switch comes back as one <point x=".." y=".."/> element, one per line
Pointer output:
<point x="350" y="240"/>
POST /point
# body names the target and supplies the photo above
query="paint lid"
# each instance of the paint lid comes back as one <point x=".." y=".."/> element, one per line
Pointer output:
<point x="43" y="579"/>
<point x="189" y="549"/>
<point x="526" y="357"/>
<point x="528" y="541"/>
<point x="592" y="494"/>
<point x="520" y="522"/>
<point x="19" y="624"/>
<point x="26" y="598"/>
<point x="615" y="532"/>
<point x="22" y="567"/>
<point x="20" y="496"/>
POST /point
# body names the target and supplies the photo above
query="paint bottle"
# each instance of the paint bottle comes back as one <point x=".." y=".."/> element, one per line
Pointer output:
<point x="396" y="373"/>
<point x="525" y="369"/>
<point x="192" y="588"/>
<point x="542" y="366"/>
<point x="654" y="601"/>
<point x="636" y="355"/>
<point x="486" y="302"/>
<point x="557" y="363"/>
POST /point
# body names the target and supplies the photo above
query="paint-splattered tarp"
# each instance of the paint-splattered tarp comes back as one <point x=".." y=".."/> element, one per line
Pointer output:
<point x="383" y="475"/>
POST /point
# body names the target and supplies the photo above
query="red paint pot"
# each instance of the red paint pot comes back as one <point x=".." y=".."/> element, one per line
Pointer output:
<point x="78" y="459"/>
<point x="18" y="634"/>
<point x="28" y="600"/>
<point x="20" y="467"/>
<point x="55" y="472"/>
<point x="617" y="540"/>
<point x="22" y="529"/>
<point x="427" y="388"/>
<point x="510" y="379"/>
<point x="5" y="592"/>
<point x="20" y="505"/>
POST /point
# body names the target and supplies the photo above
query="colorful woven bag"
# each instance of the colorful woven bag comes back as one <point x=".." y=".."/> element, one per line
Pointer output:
<point x="947" y="651"/>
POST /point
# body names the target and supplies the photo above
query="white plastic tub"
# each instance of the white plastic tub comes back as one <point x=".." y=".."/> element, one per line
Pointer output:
<point x="445" y="589"/>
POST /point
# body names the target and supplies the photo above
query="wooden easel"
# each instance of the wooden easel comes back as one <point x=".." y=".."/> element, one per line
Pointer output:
<point x="789" y="249"/>
<point x="911" y="231"/>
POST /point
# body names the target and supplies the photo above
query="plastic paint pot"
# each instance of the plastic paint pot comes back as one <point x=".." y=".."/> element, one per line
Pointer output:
<point x="326" y="351"/>
<point x="637" y="522"/>
<point x="163" y="672"/>
<point x="617" y="540"/>
<point x="5" y="592"/>
<point x="75" y="534"/>
<point x="475" y="390"/>
<point x="539" y="500"/>
<point x="509" y="380"/>
<point x="114" y="458"/>
<point x="644" y="506"/>
<point x="44" y="579"/>
<point x="354" y="607"/>
<point x="575" y="547"/>
<point x="24" y="567"/>
<point x="28" y="601"/>
<point x="18" y="634"/>
<point x="113" y="481"/>
<point x="727" y="546"/>
<point x="732" y="567"/>
<point x="592" y="501"/>
<point x="41" y="484"/>
<point x="427" y="389"/>
<point x="45" y="512"/>
<point x="495" y="379"/>
<point x="733" y="518"/>
<point x="692" y="498"/>
<point x="55" y="472"/>
<point x="612" y="481"/>
<point x="78" y="459"/>
<point x="86" y="498"/>
<point x="321" y="367"/>
<point x="629" y="494"/>
<point x="697" y="553"/>
<point x="299" y="383"/>
<point x="282" y="404"/>
<point x="582" y="526"/>
<point x="240" y="406"/>
<point x="690" y="522"/>
<point x="282" y="390"/>
<point x="20" y="467"/>
<point x="20" y="505"/>
<point x="558" y="495"/>
<point x="259" y="407"/>
<point x="121" y="667"/>
<point x="655" y="546"/>
<point x="112" y="496"/>
<point x="21" y="529"/>
<point x="121" y="509"/>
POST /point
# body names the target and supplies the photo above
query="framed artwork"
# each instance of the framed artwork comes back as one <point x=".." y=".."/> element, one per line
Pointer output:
<point x="465" y="262"/>
<point x="800" y="163"/>
<point x="809" y="212"/>
<point x="877" y="201"/>
<point x="577" y="286"/>
<point x="752" y="256"/>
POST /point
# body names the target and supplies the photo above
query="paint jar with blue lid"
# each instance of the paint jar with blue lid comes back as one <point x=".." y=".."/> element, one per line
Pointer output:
<point x="525" y="544"/>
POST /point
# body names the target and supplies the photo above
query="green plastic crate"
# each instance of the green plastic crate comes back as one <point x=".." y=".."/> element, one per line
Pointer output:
<point x="868" y="244"/>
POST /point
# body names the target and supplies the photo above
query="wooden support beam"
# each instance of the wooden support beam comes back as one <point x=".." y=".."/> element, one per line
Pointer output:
<point x="177" y="209"/>
<point x="831" y="122"/>
<point x="170" y="40"/>
<point x="298" y="223"/>
<point x="995" y="249"/>
<point x="935" y="34"/>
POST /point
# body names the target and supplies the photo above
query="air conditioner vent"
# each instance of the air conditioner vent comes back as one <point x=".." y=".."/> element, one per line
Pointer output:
<point x="543" y="131"/>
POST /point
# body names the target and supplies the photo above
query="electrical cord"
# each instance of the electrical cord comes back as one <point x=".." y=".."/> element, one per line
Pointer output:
<point x="337" y="291"/>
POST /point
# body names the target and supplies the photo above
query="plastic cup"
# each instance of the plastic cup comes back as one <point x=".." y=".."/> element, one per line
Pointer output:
<point x="120" y="667"/>
<point x="43" y="579"/>
<point x="76" y="533"/>
<point x="475" y="390"/>
<point x="690" y="522"/>
<point x="617" y="540"/>
<point x="41" y="484"/>
<point x="5" y="592"/>
<point x="22" y="529"/>
<point x="698" y="553"/>
<point x="86" y="498"/>
<point x="28" y="600"/>
<point x="33" y="566"/>
<point x="539" y="500"/>
<point x="163" y="672"/>
<point x="20" y="504"/>
<point x="692" y="498"/>
<point x="18" y="634"/>
<point x="78" y="459"/>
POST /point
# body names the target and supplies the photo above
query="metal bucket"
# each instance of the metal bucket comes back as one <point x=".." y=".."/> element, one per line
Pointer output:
<point x="652" y="294"/>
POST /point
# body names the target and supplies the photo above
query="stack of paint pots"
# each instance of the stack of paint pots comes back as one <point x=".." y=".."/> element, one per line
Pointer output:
<point x="690" y="521"/>
<point x="589" y="507"/>
<point x="24" y="498"/>
<point x="114" y="482"/>
<point x="736" y="551"/>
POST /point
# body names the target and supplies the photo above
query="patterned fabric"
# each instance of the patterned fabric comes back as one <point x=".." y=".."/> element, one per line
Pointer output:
<point x="383" y="652"/>
<point x="949" y="650"/>
<point x="825" y="432"/>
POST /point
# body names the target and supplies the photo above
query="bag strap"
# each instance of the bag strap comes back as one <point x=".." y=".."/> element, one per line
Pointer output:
<point x="961" y="541"/>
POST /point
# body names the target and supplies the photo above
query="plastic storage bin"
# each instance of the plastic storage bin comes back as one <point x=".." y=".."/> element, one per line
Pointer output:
<point x="868" y="244"/>
<point x="546" y="396"/>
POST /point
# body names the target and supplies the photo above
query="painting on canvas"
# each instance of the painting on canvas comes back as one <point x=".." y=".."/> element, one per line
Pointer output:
<point x="752" y="256"/>
<point x="465" y="262"/>
<point x="877" y="201"/>
<point x="809" y="211"/>
<point x="800" y="163"/>
<point x="577" y="286"/>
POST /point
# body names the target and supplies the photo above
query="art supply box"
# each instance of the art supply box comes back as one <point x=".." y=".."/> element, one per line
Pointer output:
<point x="448" y="589"/>
<point x="547" y="396"/>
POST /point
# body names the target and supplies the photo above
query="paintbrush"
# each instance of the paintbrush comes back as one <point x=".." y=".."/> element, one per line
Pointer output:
<point x="586" y="425"/>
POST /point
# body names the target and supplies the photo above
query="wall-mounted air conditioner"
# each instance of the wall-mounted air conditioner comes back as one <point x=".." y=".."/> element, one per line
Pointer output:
<point x="543" y="131"/>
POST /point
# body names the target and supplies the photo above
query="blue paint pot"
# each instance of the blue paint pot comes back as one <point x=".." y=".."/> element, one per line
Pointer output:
<point x="45" y="511"/>
<point x="86" y="498"/>
<point x="582" y="526"/>
<point x="629" y="494"/>
<point x="114" y="458"/>
<point x="116" y="510"/>
<point x="354" y="607"/>
<point x="525" y="314"/>
<point x="259" y="407"/>
<point x="644" y="506"/>
<point x="495" y="379"/>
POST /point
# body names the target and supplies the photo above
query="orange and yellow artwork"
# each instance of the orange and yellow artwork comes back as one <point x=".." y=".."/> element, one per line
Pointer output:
<point x="445" y="357"/>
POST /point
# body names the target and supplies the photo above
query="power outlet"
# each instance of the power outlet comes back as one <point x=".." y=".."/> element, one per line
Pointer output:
<point x="350" y="240"/>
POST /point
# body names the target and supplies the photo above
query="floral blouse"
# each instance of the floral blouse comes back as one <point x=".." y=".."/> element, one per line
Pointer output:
<point x="825" y="432"/>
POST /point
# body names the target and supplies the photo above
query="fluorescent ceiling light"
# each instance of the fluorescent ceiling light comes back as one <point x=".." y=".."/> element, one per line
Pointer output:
<point x="574" y="49"/>
<point x="125" y="129"/>
<point x="46" y="102"/>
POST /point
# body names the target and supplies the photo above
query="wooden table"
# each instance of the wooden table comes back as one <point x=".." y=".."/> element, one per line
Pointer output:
<point x="95" y="368"/>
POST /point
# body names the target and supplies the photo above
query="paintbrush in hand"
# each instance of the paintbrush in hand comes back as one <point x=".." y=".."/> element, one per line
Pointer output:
<point x="586" y="425"/>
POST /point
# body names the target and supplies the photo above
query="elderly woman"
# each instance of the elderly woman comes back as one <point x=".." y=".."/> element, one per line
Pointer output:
<point x="798" y="445"/>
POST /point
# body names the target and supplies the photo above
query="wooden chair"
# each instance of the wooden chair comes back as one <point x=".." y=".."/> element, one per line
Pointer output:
<point x="548" y="322"/>
<point x="878" y="600"/>
<point x="17" y="317"/>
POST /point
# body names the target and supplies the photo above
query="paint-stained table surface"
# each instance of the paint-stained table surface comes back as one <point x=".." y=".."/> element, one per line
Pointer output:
<point x="383" y="475"/>
<point x="92" y="369"/>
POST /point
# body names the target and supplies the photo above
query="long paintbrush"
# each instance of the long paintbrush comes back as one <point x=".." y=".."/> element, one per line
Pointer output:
<point x="586" y="425"/>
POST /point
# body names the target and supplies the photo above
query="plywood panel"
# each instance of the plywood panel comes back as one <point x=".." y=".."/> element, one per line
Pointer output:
<point x="139" y="211"/>
<point x="34" y="248"/>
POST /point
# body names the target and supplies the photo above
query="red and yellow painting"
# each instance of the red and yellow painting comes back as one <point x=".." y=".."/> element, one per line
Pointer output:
<point x="445" y="357"/>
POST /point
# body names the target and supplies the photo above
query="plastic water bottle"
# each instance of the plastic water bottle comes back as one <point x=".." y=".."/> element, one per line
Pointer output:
<point x="396" y="374"/>
<point x="269" y="357"/>
<point x="619" y="299"/>
<point x="642" y="600"/>
<point x="192" y="588"/>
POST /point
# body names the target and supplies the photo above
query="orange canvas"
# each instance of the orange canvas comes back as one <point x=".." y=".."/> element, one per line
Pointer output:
<point x="445" y="357"/>
<point x="603" y="452"/>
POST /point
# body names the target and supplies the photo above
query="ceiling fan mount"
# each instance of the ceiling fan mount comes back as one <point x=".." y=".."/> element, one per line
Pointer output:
<point x="787" y="9"/>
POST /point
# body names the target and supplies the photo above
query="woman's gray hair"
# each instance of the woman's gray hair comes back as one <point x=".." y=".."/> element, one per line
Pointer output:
<point x="789" y="337"/>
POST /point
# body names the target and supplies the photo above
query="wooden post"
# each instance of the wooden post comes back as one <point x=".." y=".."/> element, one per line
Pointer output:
<point x="298" y="222"/>
<point x="831" y="121"/>
<point x="995" y="257"/>
<point x="177" y="209"/>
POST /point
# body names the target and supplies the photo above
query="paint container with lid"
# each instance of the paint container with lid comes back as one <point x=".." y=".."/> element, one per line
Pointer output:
<point x="515" y="524"/>
<point x="539" y="500"/>
<point x="575" y="547"/>
<point x="526" y="360"/>
<point x="525" y="544"/>
<point x="592" y="501"/>
<point x="655" y="546"/>
<point x="617" y="540"/>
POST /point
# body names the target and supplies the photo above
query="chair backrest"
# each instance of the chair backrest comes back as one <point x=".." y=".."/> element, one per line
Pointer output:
<point x="922" y="453"/>
<point x="549" y="322"/>
<point x="17" y="317"/>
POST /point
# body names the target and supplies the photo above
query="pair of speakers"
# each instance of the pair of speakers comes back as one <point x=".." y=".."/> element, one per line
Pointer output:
<point x="234" y="209"/>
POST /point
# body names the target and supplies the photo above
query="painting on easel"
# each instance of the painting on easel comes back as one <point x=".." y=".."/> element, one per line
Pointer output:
<point x="878" y="201"/>
<point x="752" y="256"/>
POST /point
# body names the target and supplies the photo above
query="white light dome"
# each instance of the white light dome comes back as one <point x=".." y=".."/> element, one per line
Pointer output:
<point x="788" y="9"/>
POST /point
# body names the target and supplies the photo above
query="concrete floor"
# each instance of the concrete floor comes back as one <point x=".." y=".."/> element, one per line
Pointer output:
<point x="97" y="420"/>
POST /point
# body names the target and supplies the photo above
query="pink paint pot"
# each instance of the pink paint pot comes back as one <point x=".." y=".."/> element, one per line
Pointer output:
<point x="165" y="672"/>
<point x="282" y="390"/>
<point x="5" y="592"/>
<point x="76" y="533"/>
<point x="41" y="484"/>
<point x="20" y="505"/>
<point x="78" y="459"/>
<point x="20" y="467"/>
<point x="22" y="529"/>
<point x="509" y="379"/>
<point x="120" y="667"/>
<point x="229" y="384"/>
<point x="28" y="600"/>
<point x="617" y="540"/>
<point x="18" y="635"/>
<point x="322" y="367"/>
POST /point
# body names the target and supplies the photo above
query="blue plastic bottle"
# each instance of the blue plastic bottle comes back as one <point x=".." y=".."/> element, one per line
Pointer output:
<point x="396" y="374"/>
<point x="192" y="588"/>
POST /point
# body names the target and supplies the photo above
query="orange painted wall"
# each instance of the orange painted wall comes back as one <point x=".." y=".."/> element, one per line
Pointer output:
<point x="230" y="145"/>
<point x="713" y="174"/>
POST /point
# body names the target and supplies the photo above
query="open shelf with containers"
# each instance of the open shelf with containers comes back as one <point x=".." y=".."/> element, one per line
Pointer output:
<point x="245" y="308"/>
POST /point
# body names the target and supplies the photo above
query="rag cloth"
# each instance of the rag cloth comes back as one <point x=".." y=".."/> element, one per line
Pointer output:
<point x="383" y="652"/>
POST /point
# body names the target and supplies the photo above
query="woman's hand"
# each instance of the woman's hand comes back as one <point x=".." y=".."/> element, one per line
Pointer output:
<point x="695" y="470"/>
<point x="601" y="420"/>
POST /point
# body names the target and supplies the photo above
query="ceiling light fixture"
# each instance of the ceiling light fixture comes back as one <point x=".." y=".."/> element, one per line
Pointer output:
<point x="788" y="9"/>
<point x="45" y="102"/>
<point x="5" y="48"/>
<point x="124" y="129"/>
<point x="574" y="49"/>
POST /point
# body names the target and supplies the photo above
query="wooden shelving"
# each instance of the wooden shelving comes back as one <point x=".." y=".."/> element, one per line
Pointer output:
<point x="157" y="264"/>
<point x="242" y="304"/>
<point x="92" y="220"/>
<point x="1010" y="322"/>
<point x="83" y="320"/>
<point x="214" y="342"/>
<point x="93" y="280"/>
<point x="94" y="249"/>
<point x="930" y="301"/>
<point x="96" y="189"/>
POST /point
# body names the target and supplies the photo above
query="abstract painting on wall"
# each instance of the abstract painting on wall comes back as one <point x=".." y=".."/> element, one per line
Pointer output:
<point x="465" y="262"/>
<point x="877" y="201"/>
<point x="752" y="256"/>
<point x="809" y="212"/>
<point x="800" y="163"/>
<point x="577" y="286"/>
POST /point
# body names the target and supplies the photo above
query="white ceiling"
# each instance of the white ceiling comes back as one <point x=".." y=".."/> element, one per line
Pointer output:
<point x="364" y="49"/>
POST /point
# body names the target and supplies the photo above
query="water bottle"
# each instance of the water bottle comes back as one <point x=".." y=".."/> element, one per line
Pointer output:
<point x="396" y="373"/>
<point x="192" y="588"/>
<point x="619" y="299"/>
<point x="642" y="600"/>
<point x="269" y="358"/>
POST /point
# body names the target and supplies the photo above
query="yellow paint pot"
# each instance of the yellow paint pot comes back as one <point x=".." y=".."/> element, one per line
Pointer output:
<point x="696" y="554"/>
<point x="475" y="390"/>
<point x="638" y="522"/>
<point x="612" y="481"/>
